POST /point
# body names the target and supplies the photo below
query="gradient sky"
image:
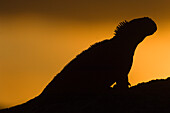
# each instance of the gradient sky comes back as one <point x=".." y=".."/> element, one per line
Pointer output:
<point x="39" y="37"/>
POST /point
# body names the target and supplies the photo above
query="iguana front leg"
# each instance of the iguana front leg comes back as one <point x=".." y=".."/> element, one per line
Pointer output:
<point x="122" y="83"/>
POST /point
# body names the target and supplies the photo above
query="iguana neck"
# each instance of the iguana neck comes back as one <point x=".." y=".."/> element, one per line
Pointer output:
<point x="129" y="41"/>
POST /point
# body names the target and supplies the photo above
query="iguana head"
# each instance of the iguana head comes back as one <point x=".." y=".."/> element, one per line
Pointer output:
<point x="142" y="26"/>
<point x="135" y="30"/>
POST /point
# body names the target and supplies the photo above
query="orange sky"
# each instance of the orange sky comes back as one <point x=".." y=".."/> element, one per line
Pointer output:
<point x="37" y="39"/>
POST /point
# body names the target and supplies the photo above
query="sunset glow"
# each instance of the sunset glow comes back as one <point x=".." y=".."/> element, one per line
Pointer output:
<point x="35" y="47"/>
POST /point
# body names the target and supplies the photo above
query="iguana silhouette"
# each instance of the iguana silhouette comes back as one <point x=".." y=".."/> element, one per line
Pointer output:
<point x="102" y="64"/>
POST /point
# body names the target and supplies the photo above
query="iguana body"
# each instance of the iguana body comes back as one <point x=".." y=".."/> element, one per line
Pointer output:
<point x="106" y="62"/>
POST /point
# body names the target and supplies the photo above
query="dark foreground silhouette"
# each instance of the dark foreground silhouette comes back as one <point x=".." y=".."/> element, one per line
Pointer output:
<point x="106" y="62"/>
<point x="84" y="84"/>
<point x="150" y="97"/>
